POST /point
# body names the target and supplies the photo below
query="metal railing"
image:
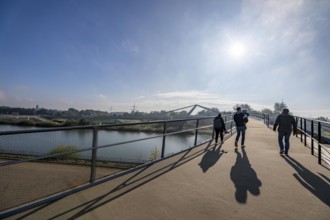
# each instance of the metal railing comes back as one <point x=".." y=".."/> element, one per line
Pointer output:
<point x="32" y="177"/>
<point x="315" y="134"/>
<point x="20" y="189"/>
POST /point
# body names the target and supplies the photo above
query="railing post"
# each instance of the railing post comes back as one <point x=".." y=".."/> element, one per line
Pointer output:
<point x="213" y="132"/>
<point x="301" y="130"/>
<point x="231" y="128"/>
<point x="297" y="123"/>
<point x="164" y="138"/>
<point x="305" y="131"/>
<point x="196" y="132"/>
<point x="264" y="118"/>
<point x="94" y="155"/>
<point x="268" y="120"/>
<point x="312" y="137"/>
<point x="319" y="139"/>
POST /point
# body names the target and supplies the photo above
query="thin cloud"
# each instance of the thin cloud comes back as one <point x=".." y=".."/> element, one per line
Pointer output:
<point x="130" y="46"/>
<point x="314" y="113"/>
<point x="186" y="94"/>
<point x="3" y="96"/>
<point x="102" y="96"/>
<point x="289" y="23"/>
<point x="21" y="88"/>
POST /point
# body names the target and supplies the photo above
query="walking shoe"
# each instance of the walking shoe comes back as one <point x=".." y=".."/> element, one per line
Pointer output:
<point x="236" y="144"/>
<point x="281" y="152"/>
<point x="242" y="146"/>
<point x="286" y="153"/>
<point x="222" y="142"/>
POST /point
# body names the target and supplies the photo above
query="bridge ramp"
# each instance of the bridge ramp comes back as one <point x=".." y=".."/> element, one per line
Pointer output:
<point x="209" y="182"/>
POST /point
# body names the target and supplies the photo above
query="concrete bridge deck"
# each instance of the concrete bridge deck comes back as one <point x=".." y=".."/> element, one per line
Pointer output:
<point x="209" y="182"/>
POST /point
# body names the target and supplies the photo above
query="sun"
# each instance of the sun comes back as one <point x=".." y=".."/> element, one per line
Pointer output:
<point x="237" y="50"/>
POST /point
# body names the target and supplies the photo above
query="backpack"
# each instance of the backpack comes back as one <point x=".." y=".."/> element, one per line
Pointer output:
<point x="217" y="123"/>
<point x="245" y="119"/>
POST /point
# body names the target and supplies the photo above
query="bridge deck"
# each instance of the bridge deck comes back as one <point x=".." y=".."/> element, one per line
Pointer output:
<point x="254" y="182"/>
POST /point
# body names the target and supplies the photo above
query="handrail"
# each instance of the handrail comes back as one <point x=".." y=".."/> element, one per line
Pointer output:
<point x="96" y="126"/>
<point x="99" y="147"/>
<point x="304" y="133"/>
<point x="95" y="147"/>
<point x="316" y="136"/>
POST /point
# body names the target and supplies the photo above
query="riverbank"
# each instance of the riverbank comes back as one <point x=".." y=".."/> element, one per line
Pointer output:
<point x="35" y="121"/>
<point x="28" y="121"/>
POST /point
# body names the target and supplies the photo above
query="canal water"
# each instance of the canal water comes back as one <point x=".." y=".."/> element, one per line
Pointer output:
<point x="43" y="143"/>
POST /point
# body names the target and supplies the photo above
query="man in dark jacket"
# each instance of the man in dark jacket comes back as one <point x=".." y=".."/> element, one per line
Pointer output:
<point x="239" y="118"/>
<point x="285" y="123"/>
<point x="219" y="127"/>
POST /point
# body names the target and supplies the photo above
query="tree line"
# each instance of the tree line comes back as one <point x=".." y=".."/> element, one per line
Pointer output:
<point x="52" y="113"/>
<point x="75" y="114"/>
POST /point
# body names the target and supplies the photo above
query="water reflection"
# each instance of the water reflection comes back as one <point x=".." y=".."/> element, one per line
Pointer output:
<point x="42" y="143"/>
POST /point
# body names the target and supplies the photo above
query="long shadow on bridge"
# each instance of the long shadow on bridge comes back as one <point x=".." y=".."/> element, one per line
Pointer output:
<point x="244" y="177"/>
<point x="312" y="182"/>
<point x="211" y="157"/>
<point x="143" y="176"/>
<point x="140" y="195"/>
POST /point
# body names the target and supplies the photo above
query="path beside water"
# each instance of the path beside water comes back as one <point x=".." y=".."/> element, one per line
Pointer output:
<point x="254" y="182"/>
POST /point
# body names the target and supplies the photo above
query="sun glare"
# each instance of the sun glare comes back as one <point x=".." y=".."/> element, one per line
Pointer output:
<point x="237" y="50"/>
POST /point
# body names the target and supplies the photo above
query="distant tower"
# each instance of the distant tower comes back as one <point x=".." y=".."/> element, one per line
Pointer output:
<point x="134" y="108"/>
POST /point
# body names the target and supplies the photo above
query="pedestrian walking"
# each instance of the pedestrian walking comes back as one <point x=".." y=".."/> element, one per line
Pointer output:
<point x="240" y="122"/>
<point x="219" y="128"/>
<point x="286" y="123"/>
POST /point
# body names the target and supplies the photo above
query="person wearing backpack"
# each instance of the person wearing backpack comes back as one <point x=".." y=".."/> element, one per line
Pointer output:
<point x="246" y="116"/>
<point x="219" y="127"/>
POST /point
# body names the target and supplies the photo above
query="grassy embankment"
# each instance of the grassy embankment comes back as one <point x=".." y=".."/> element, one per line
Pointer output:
<point x="73" y="158"/>
<point x="62" y="122"/>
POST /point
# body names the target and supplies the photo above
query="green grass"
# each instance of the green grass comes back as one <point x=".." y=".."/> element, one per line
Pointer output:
<point x="71" y="161"/>
<point x="66" y="149"/>
<point x="154" y="154"/>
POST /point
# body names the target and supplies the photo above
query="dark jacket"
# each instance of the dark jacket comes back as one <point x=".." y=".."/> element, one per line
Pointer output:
<point x="223" y="127"/>
<point x="285" y="123"/>
<point x="239" y="119"/>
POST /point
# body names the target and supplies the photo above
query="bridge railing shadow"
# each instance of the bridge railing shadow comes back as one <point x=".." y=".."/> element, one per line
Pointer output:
<point x="127" y="184"/>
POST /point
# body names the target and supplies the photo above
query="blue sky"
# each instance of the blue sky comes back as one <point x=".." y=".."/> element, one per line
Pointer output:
<point x="162" y="55"/>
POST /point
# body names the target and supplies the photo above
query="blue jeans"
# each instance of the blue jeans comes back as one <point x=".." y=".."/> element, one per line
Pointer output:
<point x="286" y="136"/>
<point x="238" y="134"/>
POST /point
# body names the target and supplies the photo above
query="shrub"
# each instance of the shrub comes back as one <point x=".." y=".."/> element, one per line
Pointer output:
<point x="154" y="154"/>
<point x="45" y="124"/>
<point x="83" y="121"/>
<point x="70" y="122"/>
<point x="59" y="120"/>
<point x="26" y="123"/>
<point x="66" y="149"/>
